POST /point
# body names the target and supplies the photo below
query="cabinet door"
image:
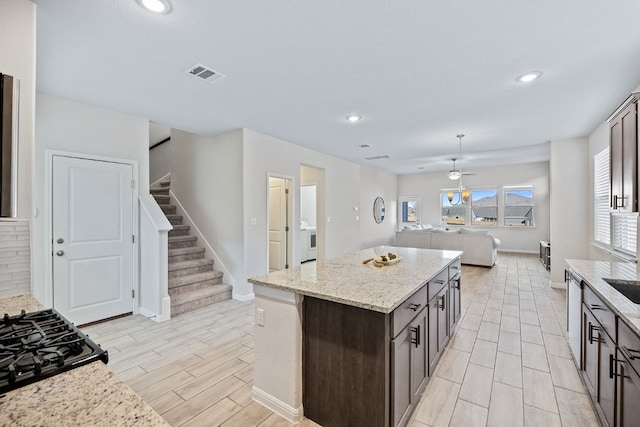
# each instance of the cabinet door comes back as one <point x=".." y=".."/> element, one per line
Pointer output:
<point x="629" y="158"/>
<point x="590" y="351"/>
<point x="433" y="350"/>
<point x="628" y="394"/>
<point x="606" y="377"/>
<point x="419" y="355"/>
<point x="443" y="318"/>
<point x="623" y="160"/>
<point x="401" y="348"/>
<point x="454" y="303"/>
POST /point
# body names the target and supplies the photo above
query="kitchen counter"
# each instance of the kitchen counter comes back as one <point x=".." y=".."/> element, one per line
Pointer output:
<point x="347" y="281"/>
<point x="87" y="395"/>
<point x="594" y="271"/>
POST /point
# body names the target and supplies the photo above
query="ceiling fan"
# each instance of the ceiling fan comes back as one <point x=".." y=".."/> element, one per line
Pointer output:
<point x="457" y="173"/>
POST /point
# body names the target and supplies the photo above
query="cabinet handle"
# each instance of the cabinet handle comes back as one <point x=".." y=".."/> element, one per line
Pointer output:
<point x="614" y="202"/>
<point x="594" y="307"/>
<point x="415" y="339"/>
<point x="454" y="267"/>
<point x="627" y="352"/>
<point x="439" y="282"/>
<point x="457" y="285"/>
<point x="591" y="329"/>
<point x="414" y="306"/>
<point x="441" y="303"/>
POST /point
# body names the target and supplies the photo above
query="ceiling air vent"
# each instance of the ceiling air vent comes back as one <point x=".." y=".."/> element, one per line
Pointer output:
<point x="204" y="73"/>
<point x="364" y="145"/>
<point x="386" y="156"/>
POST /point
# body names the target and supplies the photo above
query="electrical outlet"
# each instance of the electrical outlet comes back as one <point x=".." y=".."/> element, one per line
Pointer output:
<point x="260" y="317"/>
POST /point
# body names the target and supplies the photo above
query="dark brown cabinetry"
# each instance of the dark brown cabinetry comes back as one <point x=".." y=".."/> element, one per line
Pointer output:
<point x="362" y="367"/>
<point x="623" y="154"/>
<point x="610" y="363"/>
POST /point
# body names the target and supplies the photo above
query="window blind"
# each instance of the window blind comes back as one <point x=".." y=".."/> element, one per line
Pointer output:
<point x="624" y="232"/>
<point x="601" y="215"/>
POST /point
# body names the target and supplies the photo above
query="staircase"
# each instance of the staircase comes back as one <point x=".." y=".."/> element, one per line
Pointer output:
<point x="193" y="283"/>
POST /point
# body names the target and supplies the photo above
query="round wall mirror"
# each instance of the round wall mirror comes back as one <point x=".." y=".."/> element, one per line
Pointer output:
<point x="378" y="209"/>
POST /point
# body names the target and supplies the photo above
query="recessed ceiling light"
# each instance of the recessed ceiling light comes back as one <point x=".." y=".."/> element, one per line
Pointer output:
<point x="354" y="118"/>
<point x="529" y="77"/>
<point x="156" y="6"/>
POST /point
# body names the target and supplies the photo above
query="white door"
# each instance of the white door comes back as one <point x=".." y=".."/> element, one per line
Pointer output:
<point x="278" y="226"/>
<point x="92" y="239"/>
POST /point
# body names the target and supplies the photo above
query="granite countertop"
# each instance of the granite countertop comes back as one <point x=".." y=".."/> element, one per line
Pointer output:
<point x="87" y="395"/>
<point x="347" y="281"/>
<point x="594" y="271"/>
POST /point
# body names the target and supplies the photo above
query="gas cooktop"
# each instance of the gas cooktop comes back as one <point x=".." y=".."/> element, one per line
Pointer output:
<point x="37" y="345"/>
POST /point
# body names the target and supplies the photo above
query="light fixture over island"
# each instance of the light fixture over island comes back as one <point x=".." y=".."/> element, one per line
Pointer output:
<point x="347" y="343"/>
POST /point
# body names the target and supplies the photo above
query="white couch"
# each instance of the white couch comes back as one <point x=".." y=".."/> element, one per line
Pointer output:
<point x="479" y="247"/>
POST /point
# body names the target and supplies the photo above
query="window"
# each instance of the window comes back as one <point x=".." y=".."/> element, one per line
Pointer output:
<point x="453" y="214"/>
<point x="518" y="206"/>
<point x="484" y="207"/>
<point x="624" y="233"/>
<point x="601" y="216"/>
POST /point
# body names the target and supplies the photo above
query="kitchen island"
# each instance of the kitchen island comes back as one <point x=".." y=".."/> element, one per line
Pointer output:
<point x="347" y="343"/>
<point x="87" y="395"/>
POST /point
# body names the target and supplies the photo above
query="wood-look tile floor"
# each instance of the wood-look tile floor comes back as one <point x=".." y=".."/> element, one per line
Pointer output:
<point x="507" y="364"/>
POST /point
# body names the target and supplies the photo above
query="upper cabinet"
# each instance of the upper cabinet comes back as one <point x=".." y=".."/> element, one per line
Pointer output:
<point x="623" y="149"/>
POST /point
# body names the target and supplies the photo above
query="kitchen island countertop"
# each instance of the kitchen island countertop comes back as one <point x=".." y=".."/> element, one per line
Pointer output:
<point x="347" y="280"/>
<point x="87" y="395"/>
<point x="594" y="272"/>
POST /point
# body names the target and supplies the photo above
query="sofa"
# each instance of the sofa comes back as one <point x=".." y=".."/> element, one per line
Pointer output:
<point x="478" y="246"/>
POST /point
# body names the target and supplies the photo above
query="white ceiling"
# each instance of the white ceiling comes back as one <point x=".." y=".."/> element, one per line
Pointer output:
<point x="418" y="71"/>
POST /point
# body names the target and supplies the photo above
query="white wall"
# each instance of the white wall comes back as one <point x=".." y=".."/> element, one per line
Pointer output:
<point x="72" y="127"/>
<point x="519" y="239"/>
<point x="206" y="177"/>
<point x="569" y="204"/>
<point x="377" y="183"/>
<point x="18" y="59"/>
<point x="159" y="157"/>
<point x="343" y="184"/>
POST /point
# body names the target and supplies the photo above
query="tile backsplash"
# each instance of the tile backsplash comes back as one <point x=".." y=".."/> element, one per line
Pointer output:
<point x="15" y="257"/>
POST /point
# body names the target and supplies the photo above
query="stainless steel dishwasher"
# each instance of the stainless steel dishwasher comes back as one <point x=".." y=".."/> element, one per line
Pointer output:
<point x="574" y="315"/>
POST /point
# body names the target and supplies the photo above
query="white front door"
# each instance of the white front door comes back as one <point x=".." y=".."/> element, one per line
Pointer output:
<point x="92" y="246"/>
<point x="278" y="226"/>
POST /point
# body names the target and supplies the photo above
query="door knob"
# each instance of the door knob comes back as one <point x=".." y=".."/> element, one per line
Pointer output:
<point x="60" y="253"/>
<point x="60" y="240"/>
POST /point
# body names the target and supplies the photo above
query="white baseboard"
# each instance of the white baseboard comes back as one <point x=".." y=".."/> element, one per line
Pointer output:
<point x="243" y="297"/>
<point x="166" y="311"/>
<point x="166" y="177"/>
<point x="558" y="285"/>
<point x="219" y="265"/>
<point x="291" y="414"/>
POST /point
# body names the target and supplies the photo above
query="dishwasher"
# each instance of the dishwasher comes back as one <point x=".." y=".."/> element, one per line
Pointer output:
<point x="574" y="315"/>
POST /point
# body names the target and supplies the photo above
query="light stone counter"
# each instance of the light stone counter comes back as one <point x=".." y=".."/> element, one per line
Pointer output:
<point x="89" y="395"/>
<point x="347" y="281"/>
<point x="594" y="271"/>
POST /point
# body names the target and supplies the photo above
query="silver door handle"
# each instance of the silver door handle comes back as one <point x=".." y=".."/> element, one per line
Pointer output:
<point x="60" y="240"/>
<point x="60" y="253"/>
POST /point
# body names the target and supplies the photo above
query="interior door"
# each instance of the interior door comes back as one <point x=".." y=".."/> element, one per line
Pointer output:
<point x="278" y="226"/>
<point x="92" y="246"/>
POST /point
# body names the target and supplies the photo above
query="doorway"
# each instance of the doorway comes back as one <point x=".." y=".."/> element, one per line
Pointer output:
<point x="92" y="220"/>
<point x="312" y="214"/>
<point x="279" y="229"/>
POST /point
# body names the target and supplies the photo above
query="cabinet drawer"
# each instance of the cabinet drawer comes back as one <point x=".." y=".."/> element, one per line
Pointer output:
<point x="401" y="316"/>
<point x="454" y="269"/>
<point x="436" y="284"/>
<point x="600" y="311"/>
<point x="629" y="344"/>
